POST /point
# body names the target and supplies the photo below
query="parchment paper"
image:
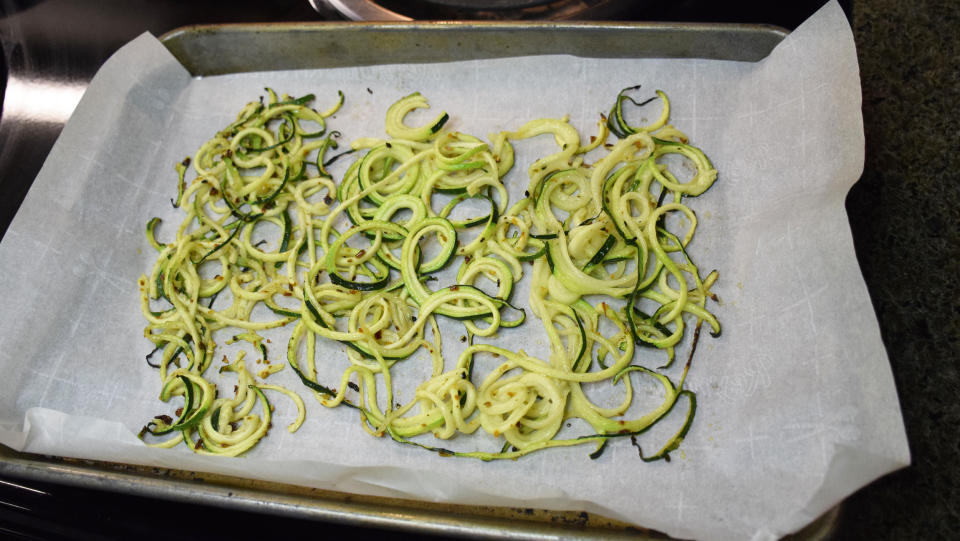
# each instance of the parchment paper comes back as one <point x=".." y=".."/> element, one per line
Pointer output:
<point x="797" y="406"/>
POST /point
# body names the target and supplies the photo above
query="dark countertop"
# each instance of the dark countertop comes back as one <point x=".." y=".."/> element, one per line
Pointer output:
<point x="905" y="215"/>
<point x="904" y="212"/>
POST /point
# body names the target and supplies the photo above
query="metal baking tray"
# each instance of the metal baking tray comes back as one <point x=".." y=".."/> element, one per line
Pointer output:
<point x="222" y="49"/>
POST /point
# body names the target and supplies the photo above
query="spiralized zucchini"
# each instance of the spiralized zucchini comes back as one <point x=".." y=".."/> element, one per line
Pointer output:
<point x="608" y="274"/>
<point x="253" y="172"/>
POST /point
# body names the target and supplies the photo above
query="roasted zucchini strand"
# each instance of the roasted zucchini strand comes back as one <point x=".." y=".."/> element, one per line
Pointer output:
<point x="606" y="275"/>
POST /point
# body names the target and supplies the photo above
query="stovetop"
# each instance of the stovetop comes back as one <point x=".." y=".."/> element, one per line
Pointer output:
<point x="52" y="48"/>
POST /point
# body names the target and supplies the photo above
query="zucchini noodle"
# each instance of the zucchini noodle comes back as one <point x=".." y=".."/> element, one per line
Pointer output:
<point x="254" y="172"/>
<point x="607" y="274"/>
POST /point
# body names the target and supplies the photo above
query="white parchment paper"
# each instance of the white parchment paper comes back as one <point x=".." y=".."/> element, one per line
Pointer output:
<point x="797" y="406"/>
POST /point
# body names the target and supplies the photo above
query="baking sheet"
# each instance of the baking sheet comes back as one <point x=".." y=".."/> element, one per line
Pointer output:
<point x="797" y="406"/>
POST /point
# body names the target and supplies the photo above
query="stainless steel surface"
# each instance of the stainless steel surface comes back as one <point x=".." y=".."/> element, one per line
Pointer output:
<point x="209" y="50"/>
<point x="407" y="10"/>
<point x="457" y="521"/>
<point x="357" y="10"/>
<point x="219" y="49"/>
<point x="271" y="498"/>
<point x="488" y="4"/>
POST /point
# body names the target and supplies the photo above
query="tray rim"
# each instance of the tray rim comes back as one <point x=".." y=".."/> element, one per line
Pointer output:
<point x="443" y="25"/>
<point x="748" y="42"/>
<point x="403" y="515"/>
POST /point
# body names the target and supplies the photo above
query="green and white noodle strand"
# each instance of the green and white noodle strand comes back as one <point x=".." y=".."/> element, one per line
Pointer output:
<point x="607" y="276"/>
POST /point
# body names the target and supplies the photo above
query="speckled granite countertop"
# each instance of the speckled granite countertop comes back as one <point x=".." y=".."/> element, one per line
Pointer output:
<point x="905" y="216"/>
